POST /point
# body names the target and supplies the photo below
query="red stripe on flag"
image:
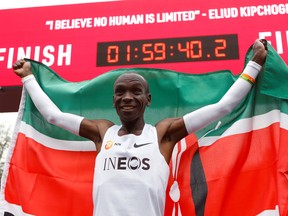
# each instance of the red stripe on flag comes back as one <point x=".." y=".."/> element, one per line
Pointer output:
<point x="185" y="203"/>
<point x="49" y="182"/>
<point x="283" y="173"/>
<point x="241" y="173"/>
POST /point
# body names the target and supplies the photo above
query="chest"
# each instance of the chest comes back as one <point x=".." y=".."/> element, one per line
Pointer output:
<point x="129" y="145"/>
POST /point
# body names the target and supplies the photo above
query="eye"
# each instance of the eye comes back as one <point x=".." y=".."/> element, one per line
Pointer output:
<point x="137" y="91"/>
<point x="119" y="92"/>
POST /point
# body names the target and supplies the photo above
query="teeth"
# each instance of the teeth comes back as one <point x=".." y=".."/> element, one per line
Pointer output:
<point x="127" y="108"/>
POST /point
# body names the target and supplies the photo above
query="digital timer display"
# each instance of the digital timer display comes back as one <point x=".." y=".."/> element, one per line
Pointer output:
<point x="166" y="50"/>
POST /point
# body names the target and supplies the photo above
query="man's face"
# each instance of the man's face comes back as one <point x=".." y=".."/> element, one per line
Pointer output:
<point x="131" y="96"/>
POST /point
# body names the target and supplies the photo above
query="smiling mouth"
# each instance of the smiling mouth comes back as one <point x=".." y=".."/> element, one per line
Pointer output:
<point x="127" y="108"/>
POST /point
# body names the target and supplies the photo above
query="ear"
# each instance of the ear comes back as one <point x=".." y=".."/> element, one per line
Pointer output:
<point x="113" y="101"/>
<point x="149" y="98"/>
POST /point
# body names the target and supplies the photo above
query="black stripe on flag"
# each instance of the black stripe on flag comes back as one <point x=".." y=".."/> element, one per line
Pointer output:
<point x="198" y="184"/>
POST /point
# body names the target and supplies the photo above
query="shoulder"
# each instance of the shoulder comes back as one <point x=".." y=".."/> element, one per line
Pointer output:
<point x="171" y="130"/>
<point x="94" y="129"/>
<point x="165" y="125"/>
<point x="99" y="123"/>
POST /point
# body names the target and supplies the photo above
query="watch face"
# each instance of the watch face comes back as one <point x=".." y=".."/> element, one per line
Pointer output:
<point x="166" y="50"/>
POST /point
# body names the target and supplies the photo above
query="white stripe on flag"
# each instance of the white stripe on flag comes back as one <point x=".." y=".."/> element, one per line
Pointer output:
<point x="183" y="148"/>
<point x="53" y="143"/>
<point x="174" y="160"/>
<point x="12" y="208"/>
<point x="240" y="126"/>
<point x="249" y="124"/>
<point x="274" y="212"/>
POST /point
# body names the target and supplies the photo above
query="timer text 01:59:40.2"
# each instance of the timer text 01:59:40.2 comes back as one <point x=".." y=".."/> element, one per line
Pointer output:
<point x="166" y="50"/>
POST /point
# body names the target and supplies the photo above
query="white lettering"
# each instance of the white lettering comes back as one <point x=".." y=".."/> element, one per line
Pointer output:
<point x="223" y="13"/>
<point x="73" y="23"/>
<point x="10" y="57"/>
<point x="2" y="50"/>
<point x="46" y="54"/>
<point x="24" y="52"/>
<point x="150" y="18"/>
<point x="50" y="24"/>
<point x="276" y="39"/>
<point x="62" y="54"/>
<point x="176" y="16"/>
<point x="264" y="10"/>
<point x="37" y="53"/>
<point x="264" y="35"/>
<point x="126" y="20"/>
<point x="279" y="44"/>
<point x="100" y="21"/>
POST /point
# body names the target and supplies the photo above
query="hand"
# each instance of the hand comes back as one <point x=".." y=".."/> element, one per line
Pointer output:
<point x="22" y="68"/>
<point x="260" y="51"/>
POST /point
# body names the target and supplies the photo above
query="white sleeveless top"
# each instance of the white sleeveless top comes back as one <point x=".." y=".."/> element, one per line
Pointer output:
<point x="131" y="175"/>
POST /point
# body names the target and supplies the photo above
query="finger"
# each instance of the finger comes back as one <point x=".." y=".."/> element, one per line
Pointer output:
<point x="264" y="42"/>
<point x="18" y="64"/>
<point x="15" y="66"/>
<point x="258" y="44"/>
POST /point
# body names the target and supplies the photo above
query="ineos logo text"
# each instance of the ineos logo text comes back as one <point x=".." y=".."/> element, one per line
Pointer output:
<point x="124" y="163"/>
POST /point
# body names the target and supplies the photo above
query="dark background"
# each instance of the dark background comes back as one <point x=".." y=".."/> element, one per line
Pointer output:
<point x="10" y="98"/>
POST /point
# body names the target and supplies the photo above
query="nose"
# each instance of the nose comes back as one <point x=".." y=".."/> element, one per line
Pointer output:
<point x="127" y="96"/>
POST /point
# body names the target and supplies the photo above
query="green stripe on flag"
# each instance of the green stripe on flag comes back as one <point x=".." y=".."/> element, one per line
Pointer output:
<point x="173" y="94"/>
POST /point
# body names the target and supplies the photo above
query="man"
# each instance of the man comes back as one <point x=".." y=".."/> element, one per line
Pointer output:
<point x="131" y="170"/>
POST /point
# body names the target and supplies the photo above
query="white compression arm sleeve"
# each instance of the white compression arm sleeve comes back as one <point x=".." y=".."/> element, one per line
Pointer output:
<point x="200" y="118"/>
<point x="48" y="109"/>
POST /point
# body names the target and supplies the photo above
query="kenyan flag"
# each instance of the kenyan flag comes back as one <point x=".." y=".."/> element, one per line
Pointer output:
<point x="237" y="166"/>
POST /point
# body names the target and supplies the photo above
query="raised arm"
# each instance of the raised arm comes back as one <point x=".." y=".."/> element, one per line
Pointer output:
<point x="43" y="103"/>
<point x="170" y="131"/>
<point x="200" y="118"/>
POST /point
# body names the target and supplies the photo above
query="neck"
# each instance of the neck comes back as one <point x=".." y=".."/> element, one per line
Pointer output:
<point x="132" y="127"/>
